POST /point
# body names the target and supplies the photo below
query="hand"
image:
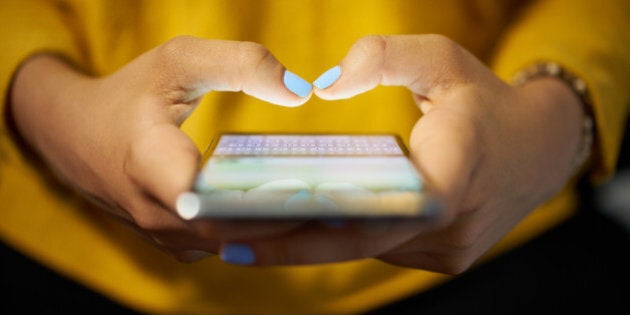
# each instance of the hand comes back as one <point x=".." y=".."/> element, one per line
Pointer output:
<point x="489" y="152"/>
<point x="116" y="138"/>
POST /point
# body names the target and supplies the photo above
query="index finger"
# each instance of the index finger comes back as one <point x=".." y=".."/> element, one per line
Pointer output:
<point x="197" y="66"/>
<point x="424" y="64"/>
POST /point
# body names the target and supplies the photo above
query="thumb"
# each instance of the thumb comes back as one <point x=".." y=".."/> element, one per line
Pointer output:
<point x="425" y="64"/>
<point x="190" y="67"/>
<point x="444" y="146"/>
<point x="163" y="161"/>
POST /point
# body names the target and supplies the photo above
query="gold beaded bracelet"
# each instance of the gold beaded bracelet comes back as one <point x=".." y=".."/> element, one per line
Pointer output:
<point x="552" y="69"/>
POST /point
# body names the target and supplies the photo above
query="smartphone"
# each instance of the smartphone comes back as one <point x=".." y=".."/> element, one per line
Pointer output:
<point x="302" y="176"/>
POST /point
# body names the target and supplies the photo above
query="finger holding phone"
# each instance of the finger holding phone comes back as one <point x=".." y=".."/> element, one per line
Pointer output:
<point x="489" y="154"/>
<point x="116" y="139"/>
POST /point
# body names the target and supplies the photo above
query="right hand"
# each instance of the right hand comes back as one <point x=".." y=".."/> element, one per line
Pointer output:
<point x="116" y="139"/>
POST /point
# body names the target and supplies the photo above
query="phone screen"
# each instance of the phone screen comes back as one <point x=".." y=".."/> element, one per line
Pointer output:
<point x="305" y="176"/>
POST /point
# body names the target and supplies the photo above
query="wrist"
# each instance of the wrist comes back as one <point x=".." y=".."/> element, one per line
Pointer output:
<point x="43" y="87"/>
<point x="565" y="80"/>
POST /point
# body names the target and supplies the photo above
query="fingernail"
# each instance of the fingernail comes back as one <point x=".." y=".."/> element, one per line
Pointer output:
<point x="301" y="195"/>
<point x="296" y="84"/>
<point x="188" y="205"/>
<point x="326" y="202"/>
<point x="328" y="78"/>
<point x="238" y="254"/>
<point x="297" y="200"/>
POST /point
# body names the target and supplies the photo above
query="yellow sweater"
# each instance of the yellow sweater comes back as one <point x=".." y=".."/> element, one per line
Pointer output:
<point x="67" y="234"/>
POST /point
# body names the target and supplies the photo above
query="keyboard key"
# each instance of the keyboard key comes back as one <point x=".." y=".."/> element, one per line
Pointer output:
<point x="336" y="145"/>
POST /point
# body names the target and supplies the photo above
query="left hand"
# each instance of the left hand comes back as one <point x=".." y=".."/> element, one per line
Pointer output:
<point x="116" y="140"/>
<point x="489" y="152"/>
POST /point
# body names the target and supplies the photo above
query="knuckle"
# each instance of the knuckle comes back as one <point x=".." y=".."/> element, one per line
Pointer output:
<point x="253" y="49"/>
<point x="372" y="44"/>
<point x="175" y="47"/>
<point x="442" y="43"/>
<point x="170" y="56"/>
<point x="253" y="54"/>
<point x="170" y="59"/>
<point x="253" y="58"/>
<point x="449" y="51"/>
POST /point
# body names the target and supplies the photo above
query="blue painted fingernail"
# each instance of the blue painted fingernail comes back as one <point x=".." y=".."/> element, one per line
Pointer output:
<point x="326" y="202"/>
<point x="328" y="78"/>
<point x="296" y="84"/>
<point x="297" y="200"/>
<point x="238" y="254"/>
